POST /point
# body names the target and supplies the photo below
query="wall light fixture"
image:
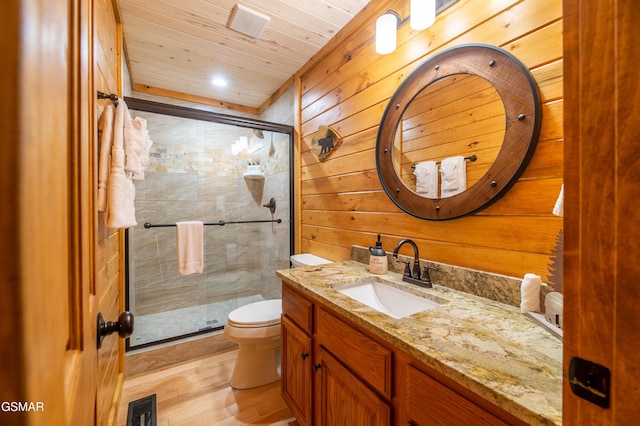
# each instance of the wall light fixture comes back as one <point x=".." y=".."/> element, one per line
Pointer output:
<point x="423" y="15"/>
<point x="386" y="28"/>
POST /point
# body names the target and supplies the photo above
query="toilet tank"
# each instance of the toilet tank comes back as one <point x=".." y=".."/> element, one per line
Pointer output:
<point x="307" y="259"/>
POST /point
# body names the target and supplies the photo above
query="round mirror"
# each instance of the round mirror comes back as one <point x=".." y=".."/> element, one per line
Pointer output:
<point x="458" y="132"/>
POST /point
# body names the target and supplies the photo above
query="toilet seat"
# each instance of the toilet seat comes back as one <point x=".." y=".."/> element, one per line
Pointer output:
<point x="256" y="315"/>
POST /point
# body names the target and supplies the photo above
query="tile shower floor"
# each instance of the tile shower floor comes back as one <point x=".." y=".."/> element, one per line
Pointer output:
<point x="179" y="322"/>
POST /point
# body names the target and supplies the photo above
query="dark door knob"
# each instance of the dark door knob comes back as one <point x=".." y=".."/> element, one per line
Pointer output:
<point x="124" y="326"/>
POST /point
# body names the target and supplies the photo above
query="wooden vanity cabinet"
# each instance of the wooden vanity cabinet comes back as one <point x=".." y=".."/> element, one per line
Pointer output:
<point x="359" y="380"/>
<point x="329" y="362"/>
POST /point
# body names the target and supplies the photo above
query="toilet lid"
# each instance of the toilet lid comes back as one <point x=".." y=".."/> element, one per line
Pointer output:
<point x="257" y="314"/>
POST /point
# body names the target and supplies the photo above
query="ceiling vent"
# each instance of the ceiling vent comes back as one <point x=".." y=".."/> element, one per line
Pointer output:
<point x="247" y="21"/>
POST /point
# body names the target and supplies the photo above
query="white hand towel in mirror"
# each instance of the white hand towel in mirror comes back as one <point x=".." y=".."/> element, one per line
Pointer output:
<point x="454" y="176"/>
<point x="190" y="245"/>
<point x="426" y="174"/>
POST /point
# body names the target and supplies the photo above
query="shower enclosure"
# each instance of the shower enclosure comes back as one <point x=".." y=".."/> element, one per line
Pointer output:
<point x="231" y="173"/>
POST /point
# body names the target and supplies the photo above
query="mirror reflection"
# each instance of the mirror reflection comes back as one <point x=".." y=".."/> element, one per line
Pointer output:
<point x="435" y="126"/>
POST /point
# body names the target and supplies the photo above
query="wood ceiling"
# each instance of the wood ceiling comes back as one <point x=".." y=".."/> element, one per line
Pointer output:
<point x="176" y="47"/>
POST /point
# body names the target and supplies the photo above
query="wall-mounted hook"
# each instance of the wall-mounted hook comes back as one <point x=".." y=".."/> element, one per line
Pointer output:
<point x="112" y="97"/>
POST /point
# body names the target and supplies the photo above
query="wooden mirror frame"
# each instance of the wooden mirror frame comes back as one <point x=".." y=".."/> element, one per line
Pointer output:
<point x="519" y="94"/>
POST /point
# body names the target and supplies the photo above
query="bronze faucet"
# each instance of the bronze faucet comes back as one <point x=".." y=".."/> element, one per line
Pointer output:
<point x="414" y="276"/>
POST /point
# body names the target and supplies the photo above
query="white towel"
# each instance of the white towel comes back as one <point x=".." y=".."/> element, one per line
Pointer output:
<point x="454" y="176"/>
<point x="105" y="131"/>
<point x="190" y="244"/>
<point x="121" y="211"/>
<point x="530" y="293"/>
<point x="558" y="208"/>
<point x="136" y="145"/>
<point x="427" y="179"/>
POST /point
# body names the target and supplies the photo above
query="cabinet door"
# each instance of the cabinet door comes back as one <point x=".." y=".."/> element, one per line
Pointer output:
<point x="343" y="400"/>
<point x="296" y="374"/>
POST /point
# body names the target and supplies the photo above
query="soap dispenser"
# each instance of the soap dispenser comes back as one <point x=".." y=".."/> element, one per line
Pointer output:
<point x="378" y="263"/>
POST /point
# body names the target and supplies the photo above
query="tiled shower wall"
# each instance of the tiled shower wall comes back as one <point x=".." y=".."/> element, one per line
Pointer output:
<point x="193" y="175"/>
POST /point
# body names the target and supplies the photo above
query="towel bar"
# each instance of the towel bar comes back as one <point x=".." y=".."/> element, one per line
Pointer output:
<point x="470" y="158"/>
<point x="220" y="223"/>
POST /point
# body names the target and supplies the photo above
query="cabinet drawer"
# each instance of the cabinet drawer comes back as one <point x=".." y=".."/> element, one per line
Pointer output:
<point x="364" y="356"/>
<point x="298" y="308"/>
<point x="428" y="402"/>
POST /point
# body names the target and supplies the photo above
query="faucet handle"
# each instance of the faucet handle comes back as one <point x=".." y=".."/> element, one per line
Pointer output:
<point x="407" y="268"/>
<point x="425" y="275"/>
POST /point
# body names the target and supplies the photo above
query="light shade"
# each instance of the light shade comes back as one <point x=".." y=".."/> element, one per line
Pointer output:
<point x="423" y="14"/>
<point x="386" y="27"/>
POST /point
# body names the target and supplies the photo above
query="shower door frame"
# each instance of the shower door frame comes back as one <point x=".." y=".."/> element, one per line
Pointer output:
<point x="144" y="105"/>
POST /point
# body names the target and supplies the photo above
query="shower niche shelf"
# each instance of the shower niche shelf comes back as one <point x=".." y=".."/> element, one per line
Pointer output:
<point x="254" y="171"/>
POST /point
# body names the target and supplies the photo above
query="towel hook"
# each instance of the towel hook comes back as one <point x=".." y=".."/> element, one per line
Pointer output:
<point x="113" y="98"/>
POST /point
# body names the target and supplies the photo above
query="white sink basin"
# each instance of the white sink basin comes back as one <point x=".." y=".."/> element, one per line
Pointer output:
<point x="387" y="299"/>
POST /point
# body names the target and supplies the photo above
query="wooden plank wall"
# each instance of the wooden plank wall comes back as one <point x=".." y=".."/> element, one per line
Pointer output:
<point x="109" y="242"/>
<point x="347" y="86"/>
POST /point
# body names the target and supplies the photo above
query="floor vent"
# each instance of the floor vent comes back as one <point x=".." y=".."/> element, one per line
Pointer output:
<point x="142" y="412"/>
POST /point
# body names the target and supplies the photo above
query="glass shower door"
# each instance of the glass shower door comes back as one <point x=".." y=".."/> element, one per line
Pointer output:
<point x="200" y="170"/>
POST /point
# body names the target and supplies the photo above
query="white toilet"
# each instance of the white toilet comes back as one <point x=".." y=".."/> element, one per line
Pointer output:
<point x="256" y="329"/>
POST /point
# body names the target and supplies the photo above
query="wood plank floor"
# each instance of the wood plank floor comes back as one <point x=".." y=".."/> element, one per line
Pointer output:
<point x="198" y="393"/>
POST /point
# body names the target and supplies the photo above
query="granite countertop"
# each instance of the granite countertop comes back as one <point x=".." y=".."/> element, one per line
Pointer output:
<point x="488" y="347"/>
